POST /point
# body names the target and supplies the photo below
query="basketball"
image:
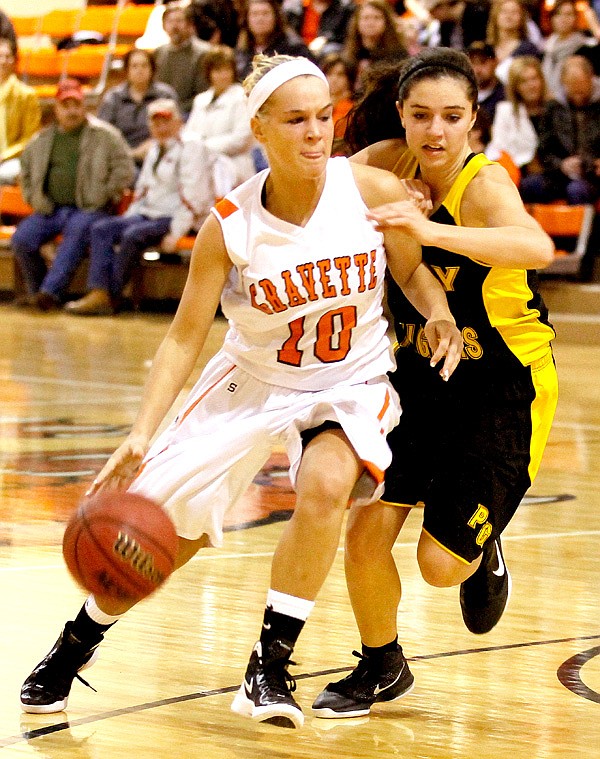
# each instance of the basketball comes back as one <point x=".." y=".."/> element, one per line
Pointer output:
<point x="119" y="544"/>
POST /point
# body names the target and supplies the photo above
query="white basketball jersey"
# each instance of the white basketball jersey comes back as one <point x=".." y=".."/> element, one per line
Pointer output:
<point x="304" y="303"/>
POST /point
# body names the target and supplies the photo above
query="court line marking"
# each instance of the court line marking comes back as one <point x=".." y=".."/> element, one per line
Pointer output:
<point x="29" y="735"/>
<point x="569" y="674"/>
<point x="64" y="402"/>
<point x="92" y="384"/>
<point x="204" y="555"/>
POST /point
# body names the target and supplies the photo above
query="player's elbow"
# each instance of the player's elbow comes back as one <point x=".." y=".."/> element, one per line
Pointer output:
<point x="544" y="252"/>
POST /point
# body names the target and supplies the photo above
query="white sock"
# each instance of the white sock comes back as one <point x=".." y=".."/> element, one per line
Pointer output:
<point x="97" y="615"/>
<point x="291" y="606"/>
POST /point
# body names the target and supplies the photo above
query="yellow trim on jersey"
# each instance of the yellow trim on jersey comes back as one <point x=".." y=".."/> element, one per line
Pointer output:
<point x="453" y="199"/>
<point x="545" y="382"/>
<point x="417" y="505"/>
<point x="406" y="166"/>
<point x="445" y="548"/>
<point x="505" y="292"/>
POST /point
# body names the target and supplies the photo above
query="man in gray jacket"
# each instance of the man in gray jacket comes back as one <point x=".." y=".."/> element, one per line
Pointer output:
<point x="179" y="182"/>
<point x="73" y="173"/>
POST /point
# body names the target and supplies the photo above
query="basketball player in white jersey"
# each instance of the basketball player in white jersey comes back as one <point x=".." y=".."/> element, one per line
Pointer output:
<point x="299" y="272"/>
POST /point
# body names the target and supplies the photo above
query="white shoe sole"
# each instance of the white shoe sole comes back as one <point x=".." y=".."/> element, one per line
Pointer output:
<point x="327" y="713"/>
<point x="57" y="706"/>
<point x="278" y="714"/>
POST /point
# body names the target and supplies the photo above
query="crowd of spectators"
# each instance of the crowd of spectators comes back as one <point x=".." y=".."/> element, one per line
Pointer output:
<point x="536" y="63"/>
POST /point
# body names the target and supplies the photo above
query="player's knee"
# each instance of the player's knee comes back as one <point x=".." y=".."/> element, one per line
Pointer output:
<point x="438" y="567"/>
<point x="325" y="494"/>
<point x="435" y="575"/>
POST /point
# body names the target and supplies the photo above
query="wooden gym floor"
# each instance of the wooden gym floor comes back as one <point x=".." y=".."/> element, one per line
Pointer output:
<point x="69" y="389"/>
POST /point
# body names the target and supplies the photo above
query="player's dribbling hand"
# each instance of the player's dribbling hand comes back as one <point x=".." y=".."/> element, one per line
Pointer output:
<point x="445" y="340"/>
<point x="121" y="468"/>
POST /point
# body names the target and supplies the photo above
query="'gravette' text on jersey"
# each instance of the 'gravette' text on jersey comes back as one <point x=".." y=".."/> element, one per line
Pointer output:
<point x="304" y="287"/>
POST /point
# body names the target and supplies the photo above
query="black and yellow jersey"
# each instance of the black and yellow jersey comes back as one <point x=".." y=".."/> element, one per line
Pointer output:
<point x="499" y="310"/>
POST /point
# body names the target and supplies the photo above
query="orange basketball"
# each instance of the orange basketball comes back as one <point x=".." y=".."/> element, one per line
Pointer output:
<point x="120" y="544"/>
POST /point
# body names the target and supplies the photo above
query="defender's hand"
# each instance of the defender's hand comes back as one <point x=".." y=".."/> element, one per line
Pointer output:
<point x="445" y="340"/>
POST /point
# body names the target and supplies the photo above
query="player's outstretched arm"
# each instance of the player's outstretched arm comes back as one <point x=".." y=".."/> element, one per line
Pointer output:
<point x="496" y="228"/>
<point x="176" y="355"/>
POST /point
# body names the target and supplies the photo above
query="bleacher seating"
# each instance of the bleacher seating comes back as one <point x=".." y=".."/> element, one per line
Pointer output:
<point x="59" y="24"/>
<point x="42" y="64"/>
<point x="156" y="278"/>
<point x="562" y="221"/>
<point x="129" y="22"/>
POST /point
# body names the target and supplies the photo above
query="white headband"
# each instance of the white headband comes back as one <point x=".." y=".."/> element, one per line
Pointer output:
<point x="277" y="76"/>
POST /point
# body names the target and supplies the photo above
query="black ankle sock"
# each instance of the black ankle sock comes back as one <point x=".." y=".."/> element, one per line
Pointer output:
<point x="278" y="626"/>
<point x="86" y="630"/>
<point x="377" y="652"/>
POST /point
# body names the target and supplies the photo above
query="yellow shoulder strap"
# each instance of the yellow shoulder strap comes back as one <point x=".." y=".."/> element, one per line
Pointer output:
<point x="406" y="166"/>
<point x="453" y="198"/>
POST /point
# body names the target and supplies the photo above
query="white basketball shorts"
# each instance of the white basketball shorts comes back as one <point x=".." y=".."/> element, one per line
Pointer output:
<point x="227" y="428"/>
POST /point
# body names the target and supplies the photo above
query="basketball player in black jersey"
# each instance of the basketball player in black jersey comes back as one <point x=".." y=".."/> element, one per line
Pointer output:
<point x="466" y="451"/>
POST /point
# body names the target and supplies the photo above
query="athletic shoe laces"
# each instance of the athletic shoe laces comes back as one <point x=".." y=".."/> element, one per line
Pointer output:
<point x="276" y="675"/>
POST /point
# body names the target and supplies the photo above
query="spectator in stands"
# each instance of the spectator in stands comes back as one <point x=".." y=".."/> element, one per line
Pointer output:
<point x="125" y="106"/>
<point x="179" y="63"/>
<point x="72" y="174"/>
<point x="173" y="195"/>
<point x="7" y="30"/>
<point x="218" y="16"/>
<point x="20" y="114"/>
<point x="455" y="23"/>
<point x="445" y="27"/>
<point x="490" y="89"/>
<point x="509" y="32"/>
<point x="474" y="21"/>
<point x="411" y="29"/>
<point x="219" y="116"/>
<point x="264" y="30"/>
<point x="569" y="140"/>
<point x="516" y="126"/>
<point x="373" y="36"/>
<point x="481" y="132"/>
<point x="322" y="24"/>
<point x="341" y="76"/>
<point x="154" y="34"/>
<point x="564" y="41"/>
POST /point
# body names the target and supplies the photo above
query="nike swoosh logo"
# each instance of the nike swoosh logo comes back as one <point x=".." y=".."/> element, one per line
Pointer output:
<point x="248" y="686"/>
<point x="501" y="568"/>
<point x="266" y="626"/>
<point x="379" y="690"/>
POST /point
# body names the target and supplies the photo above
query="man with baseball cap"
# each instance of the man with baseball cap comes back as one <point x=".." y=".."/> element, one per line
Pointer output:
<point x="490" y="90"/>
<point x="173" y="194"/>
<point x="73" y="173"/>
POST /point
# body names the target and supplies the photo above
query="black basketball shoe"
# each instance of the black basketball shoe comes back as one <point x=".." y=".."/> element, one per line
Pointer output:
<point x="47" y="688"/>
<point x="385" y="679"/>
<point x="484" y="595"/>
<point x="266" y="693"/>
